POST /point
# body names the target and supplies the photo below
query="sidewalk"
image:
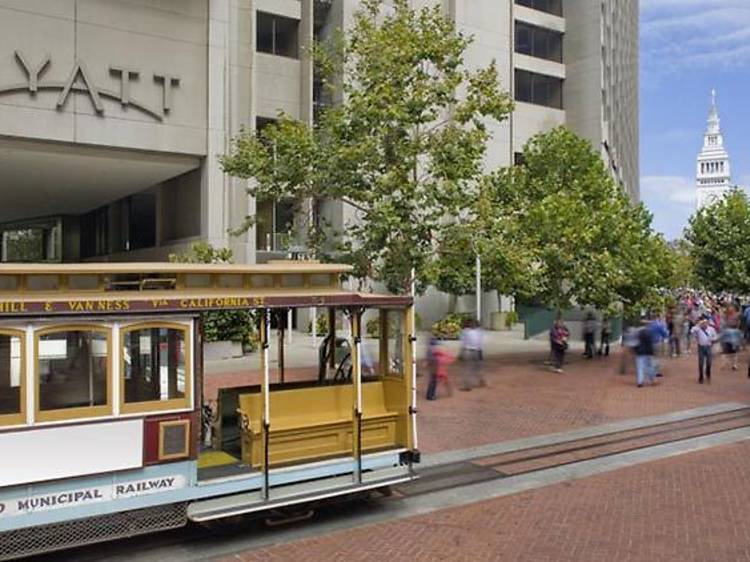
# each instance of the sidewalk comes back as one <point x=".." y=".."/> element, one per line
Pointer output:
<point x="691" y="508"/>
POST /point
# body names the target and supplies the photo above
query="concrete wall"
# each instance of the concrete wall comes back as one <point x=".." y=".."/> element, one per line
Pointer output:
<point x="166" y="39"/>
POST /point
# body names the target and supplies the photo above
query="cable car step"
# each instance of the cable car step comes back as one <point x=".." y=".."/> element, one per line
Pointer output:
<point x="306" y="492"/>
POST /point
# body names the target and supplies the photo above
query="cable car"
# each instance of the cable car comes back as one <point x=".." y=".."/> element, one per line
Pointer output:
<point x="110" y="427"/>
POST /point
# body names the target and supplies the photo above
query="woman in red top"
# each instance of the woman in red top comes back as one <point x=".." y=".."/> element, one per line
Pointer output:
<point x="438" y="359"/>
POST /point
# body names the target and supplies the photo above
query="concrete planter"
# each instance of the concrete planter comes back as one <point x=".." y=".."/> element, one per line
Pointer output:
<point x="497" y="322"/>
<point x="217" y="350"/>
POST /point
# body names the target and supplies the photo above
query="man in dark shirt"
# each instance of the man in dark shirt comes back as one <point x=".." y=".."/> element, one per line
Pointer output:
<point x="644" y="357"/>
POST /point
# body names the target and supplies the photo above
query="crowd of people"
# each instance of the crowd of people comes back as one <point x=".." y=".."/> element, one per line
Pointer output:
<point x="695" y="322"/>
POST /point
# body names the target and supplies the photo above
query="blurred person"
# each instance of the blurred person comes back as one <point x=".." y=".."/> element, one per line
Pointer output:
<point x="471" y="354"/>
<point x="694" y="316"/>
<point x="589" y="331"/>
<point x="705" y="337"/>
<point x="731" y="336"/>
<point x="606" y="335"/>
<point x="629" y="343"/>
<point x="558" y="338"/>
<point x="746" y="316"/>
<point x="438" y="359"/>
<point x="657" y="328"/>
<point x="675" y="333"/>
<point x="644" y="355"/>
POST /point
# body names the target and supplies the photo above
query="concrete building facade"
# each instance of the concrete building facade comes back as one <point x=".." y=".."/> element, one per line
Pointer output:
<point x="113" y="113"/>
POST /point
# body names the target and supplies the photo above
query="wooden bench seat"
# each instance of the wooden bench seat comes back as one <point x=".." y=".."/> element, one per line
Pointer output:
<point x="311" y="423"/>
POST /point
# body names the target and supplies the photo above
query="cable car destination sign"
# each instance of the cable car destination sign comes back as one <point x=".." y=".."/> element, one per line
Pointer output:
<point x="184" y="304"/>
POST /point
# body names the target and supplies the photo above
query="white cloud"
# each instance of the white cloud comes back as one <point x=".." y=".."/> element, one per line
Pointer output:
<point x="668" y="189"/>
<point x="681" y="34"/>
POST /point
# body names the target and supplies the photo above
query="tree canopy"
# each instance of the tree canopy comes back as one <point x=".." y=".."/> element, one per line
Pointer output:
<point x="404" y="147"/>
<point x="719" y="238"/>
<point x="583" y="241"/>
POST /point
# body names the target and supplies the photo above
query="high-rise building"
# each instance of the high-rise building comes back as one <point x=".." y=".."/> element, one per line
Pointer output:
<point x="113" y="114"/>
<point x="713" y="173"/>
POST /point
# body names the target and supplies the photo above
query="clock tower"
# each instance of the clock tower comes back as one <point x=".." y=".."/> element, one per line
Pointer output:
<point x="713" y="179"/>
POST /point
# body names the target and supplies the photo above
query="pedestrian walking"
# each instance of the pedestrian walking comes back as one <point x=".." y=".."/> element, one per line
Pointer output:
<point x="432" y="368"/>
<point x="589" y="331"/>
<point x="676" y="328"/>
<point x="705" y="337"/>
<point x="731" y="336"/>
<point x="644" y="357"/>
<point x="746" y="316"/>
<point x="657" y="328"/>
<point x="629" y="343"/>
<point x="694" y="316"/>
<point x="558" y="338"/>
<point x="471" y="355"/>
<point x="438" y="359"/>
<point x="606" y="335"/>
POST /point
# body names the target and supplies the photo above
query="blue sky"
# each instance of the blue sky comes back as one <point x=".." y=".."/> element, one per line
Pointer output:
<point x="688" y="47"/>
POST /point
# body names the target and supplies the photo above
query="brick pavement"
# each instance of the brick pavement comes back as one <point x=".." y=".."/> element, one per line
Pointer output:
<point x="691" y="508"/>
<point x="523" y="398"/>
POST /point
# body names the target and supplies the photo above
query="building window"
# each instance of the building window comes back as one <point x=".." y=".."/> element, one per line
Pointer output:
<point x="73" y="373"/>
<point x="277" y="35"/>
<point x="95" y="233"/>
<point x="554" y="7"/>
<point x="539" y="42"/>
<point x="518" y="159"/>
<point x="12" y="378"/>
<point x="274" y="224"/>
<point x="538" y="89"/>
<point x="32" y="241"/>
<point x="155" y="375"/>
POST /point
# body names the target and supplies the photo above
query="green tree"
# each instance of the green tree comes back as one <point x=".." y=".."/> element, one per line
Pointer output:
<point x="404" y="147"/>
<point x="221" y="325"/>
<point x="582" y="239"/>
<point x="719" y="237"/>
<point x="491" y="231"/>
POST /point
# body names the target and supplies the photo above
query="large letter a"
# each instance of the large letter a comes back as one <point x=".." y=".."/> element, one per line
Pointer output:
<point x="80" y="68"/>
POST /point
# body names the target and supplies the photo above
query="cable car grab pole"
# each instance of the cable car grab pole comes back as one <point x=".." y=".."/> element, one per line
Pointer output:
<point x="357" y="329"/>
<point x="413" y="337"/>
<point x="266" y="399"/>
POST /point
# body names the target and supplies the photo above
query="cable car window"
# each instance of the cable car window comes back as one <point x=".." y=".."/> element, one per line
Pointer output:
<point x="320" y="280"/>
<point x="8" y="282"/>
<point x="197" y="280"/>
<point x="11" y="379"/>
<point x="261" y="281"/>
<point x="83" y="282"/>
<point x="42" y="282"/>
<point x="73" y="373"/>
<point x="229" y="281"/>
<point x="154" y="373"/>
<point x="292" y="280"/>
<point x="396" y="341"/>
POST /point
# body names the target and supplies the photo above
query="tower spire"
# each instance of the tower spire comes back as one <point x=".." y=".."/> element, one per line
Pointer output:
<point x="713" y="171"/>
